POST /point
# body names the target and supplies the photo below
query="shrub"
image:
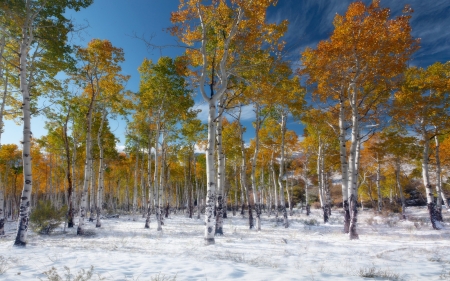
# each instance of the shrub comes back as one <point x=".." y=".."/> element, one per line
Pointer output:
<point x="45" y="218"/>
<point x="316" y="205"/>
<point x="82" y="275"/>
<point x="371" y="221"/>
<point x="311" y="222"/>
<point x="373" y="272"/>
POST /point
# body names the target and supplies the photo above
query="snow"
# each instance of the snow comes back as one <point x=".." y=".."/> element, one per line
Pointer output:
<point x="122" y="249"/>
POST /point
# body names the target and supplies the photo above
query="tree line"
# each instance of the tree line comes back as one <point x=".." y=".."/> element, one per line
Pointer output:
<point x="368" y="118"/>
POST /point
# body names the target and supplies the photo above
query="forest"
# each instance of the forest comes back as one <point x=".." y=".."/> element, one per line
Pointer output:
<point x="376" y="130"/>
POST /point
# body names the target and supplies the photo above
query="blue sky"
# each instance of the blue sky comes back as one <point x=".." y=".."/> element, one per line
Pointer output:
<point x="310" y="22"/>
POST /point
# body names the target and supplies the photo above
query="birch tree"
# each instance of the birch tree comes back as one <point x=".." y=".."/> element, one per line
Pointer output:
<point x="355" y="70"/>
<point x="40" y="30"/>
<point x="99" y="76"/>
<point x="423" y="104"/>
<point x="215" y="33"/>
<point x="166" y="98"/>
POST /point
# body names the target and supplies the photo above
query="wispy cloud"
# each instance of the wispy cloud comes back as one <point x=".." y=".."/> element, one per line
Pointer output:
<point x="312" y="21"/>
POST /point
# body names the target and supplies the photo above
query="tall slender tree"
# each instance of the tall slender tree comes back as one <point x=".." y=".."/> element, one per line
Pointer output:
<point x="40" y="30"/>
<point x="223" y="30"/>
<point x="356" y="69"/>
<point x="423" y="104"/>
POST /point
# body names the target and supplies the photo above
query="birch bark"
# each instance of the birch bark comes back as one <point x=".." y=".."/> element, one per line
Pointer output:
<point x="70" y="192"/>
<point x="212" y="114"/>
<point x="440" y="193"/>
<point x="149" y="182"/>
<point x="353" y="169"/>
<point x="380" y="199"/>
<point x="281" y="174"/>
<point x="253" y="176"/>
<point x="434" y="217"/>
<point x="399" y="186"/>
<point x="305" y="178"/>
<point x="156" y="180"/>
<point x="25" y="198"/>
<point x="87" y="164"/>
<point x="272" y="168"/>
<point x="135" y="189"/>
<point x="220" y="169"/>
<point x="101" y="169"/>
<point x="344" y="165"/>
<point x="2" y="198"/>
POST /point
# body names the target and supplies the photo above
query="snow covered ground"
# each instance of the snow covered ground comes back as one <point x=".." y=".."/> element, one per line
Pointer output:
<point x="388" y="249"/>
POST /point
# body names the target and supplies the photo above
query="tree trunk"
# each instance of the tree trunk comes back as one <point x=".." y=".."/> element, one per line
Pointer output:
<point x="2" y="213"/>
<point x="2" y="108"/>
<point x="305" y="178"/>
<point x="439" y="191"/>
<point x="344" y="165"/>
<point x="149" y="183"/>
<point x="434" y="216"/>
<point x="243" y="189"/>
<point x="210" y="220"/>
<point x="399" y="186"/>
<point x="101" y="169"/>
<point x="92" y="194"/>
<point x="280" y="177"/>
<point x="253" y="176"/>
<point x="272" y="168"/>
<point x="353" y="167"/>
<point x="2" y="199"/>
<point x="87" y="165"/>
<point x="220" y="169"/>
<point x="74" y="175"/>
<point x="190" y="187"/>
<point x="25" y="202"/>
<point x="244" y="178"/>
<point x="156" y="180"/>
<point x="380" y="199"/>
<point x="143" y="207"/>
<point x="162" y="182"/>
<point x="135" y="189"/>
<point x="70" y="222"/>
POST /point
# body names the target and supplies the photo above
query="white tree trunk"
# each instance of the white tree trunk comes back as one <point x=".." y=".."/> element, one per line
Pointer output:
<point x="143" y="186"/>
<point x="162" y="177"/>
<point x="149" y="182"/>
<point x="344" y="165"/>
<point x="92" y="192"/>
<point x="399" y="186"/>
<point x="440" y="192"/>
<point x="305" y="178"/>
<point x="353" y="159"/>
<point x="156" y="180"/>
<point x="319" y="174"/>
<point x="135" y="189"/>
<point x="244" y="176"/>
<point x="220" y="170"/>
<point x="87" y="169"/>
<point x="272" y="168"/>
<point x="74" y="175"/>
<point x="2" y="200"/>
<point x="380" y="199"/>
<point x="280" y="176"/>
<point x="253" y="175"/>
<point x="101" y="169"/>
<point x="426" y="182"/>
<point x="25" y="198"/>
<point x="212" y="100"/>
<point x="2" y="108"/>
<point x="2" y="213"/>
